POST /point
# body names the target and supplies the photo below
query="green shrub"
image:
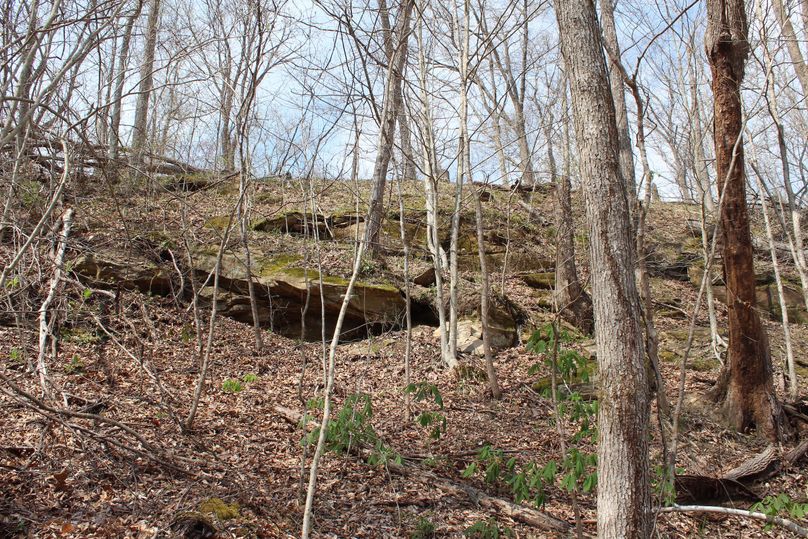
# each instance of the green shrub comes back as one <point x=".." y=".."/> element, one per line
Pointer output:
<point x="232" y="385"/>
<point x="75" y="366"/>
<point x="435" y="419"/>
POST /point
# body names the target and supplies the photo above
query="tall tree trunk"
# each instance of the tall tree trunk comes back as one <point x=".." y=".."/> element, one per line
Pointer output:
<point x="699" y="159"/>
<point x="619" y="96"/>
<point x="745" y="387"/>
<point x="123" y="63"/>
<point x="431" y="195"/>
<point x="624" y="500"/>
<point x="794" y="235"/>
<point x="390" y="111"/>
<point x="792" y="44"/>
<point x="226" y="124"/>
<point x="408" y="158"/>
<point x="140" y="126"/>
<point x="573" y="302"/>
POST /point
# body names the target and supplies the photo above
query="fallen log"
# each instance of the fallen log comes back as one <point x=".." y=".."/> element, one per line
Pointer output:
<point x="700" y="489"/>
<point x="766" y="464"/>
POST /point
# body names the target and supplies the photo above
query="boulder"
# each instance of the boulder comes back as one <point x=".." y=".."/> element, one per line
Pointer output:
<point x="768" y="301"/>
<point x="501" y="321"/>
<point x="540" y="281"/>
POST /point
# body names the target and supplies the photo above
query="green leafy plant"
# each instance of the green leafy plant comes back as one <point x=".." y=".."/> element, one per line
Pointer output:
<point x="231" y="385"/>
<point x="578" y="469"/>
<point x="779" y="505"/>
<point x="663" y="488"/>
<point x="433" y="419"/>
<point x="249" y="378"/>
<point x="75" y="365"/>
<point x="367" y="266"/>
<point x="526" y="481"/>
<point x="187" y="333"/>
<point x="487" y="529"/>
<point x="15" y="357"/>
<point x="351" y="429"/>
<point x="424" y="529"/>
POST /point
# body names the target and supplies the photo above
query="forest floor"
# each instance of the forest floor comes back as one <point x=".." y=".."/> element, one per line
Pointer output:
<point x="239" y="470"/>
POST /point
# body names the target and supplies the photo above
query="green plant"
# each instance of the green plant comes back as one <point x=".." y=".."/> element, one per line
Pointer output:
<point x="577" y="469"/>
<point x="367" y="266"/>
<point x="231" y="385"/>
<point x="487" y="529"/>
<point x="435" y="419"/>
<point x="779" y="504"/>
<point x="526" y="480"/>
<point x="15" y="356"/>
<point x="29" y="192"/>
<point x="424" y="529"/>
<point x="187" y="333"/>
<point x="75" y="366"/>
<point x="249" y="378"/>
<point x="662" y="486"/>
<point x="351" y="429"/>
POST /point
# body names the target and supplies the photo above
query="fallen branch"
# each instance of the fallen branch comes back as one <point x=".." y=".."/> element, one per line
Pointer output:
<point x="782" y="522"/>
<point x="55" y="414"/>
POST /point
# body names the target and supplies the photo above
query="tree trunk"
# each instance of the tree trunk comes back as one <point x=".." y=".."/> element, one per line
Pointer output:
<point x="573" y="302"/>
<point x="792" y="44"/>
<point x="431" y="182"/>
<point x="140" y="126"/>
<point x="624" y="500"/>
<point x="699" y="159"/>
<point x="485" y="296"/>
<point x="390" y="111"/>
<point x="123" y="63"/>
<point x="745" y="384"/>
<point x="619" y="96"/>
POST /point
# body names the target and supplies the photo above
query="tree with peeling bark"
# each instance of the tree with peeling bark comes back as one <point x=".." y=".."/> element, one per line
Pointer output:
<point x="744" y="390"/>
<point x="624" y="501"/>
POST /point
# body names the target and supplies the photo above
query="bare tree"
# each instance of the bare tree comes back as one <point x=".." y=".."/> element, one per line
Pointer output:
<point x="120" y="80"/>
<point x="390" y="112"/>
<point x="140" y="126"/>
<point x="623" y="472"/>
<point x="573" y="302"/>
<point x="619" y="95"/>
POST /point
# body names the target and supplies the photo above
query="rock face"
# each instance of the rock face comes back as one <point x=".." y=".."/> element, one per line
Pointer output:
<point x="284" y="292"/>
<point x="768" y="300"/>
<point x="107" y="270"/>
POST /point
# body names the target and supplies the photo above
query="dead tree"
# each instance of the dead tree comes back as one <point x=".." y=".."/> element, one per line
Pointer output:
<point x="744" y="389"/>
